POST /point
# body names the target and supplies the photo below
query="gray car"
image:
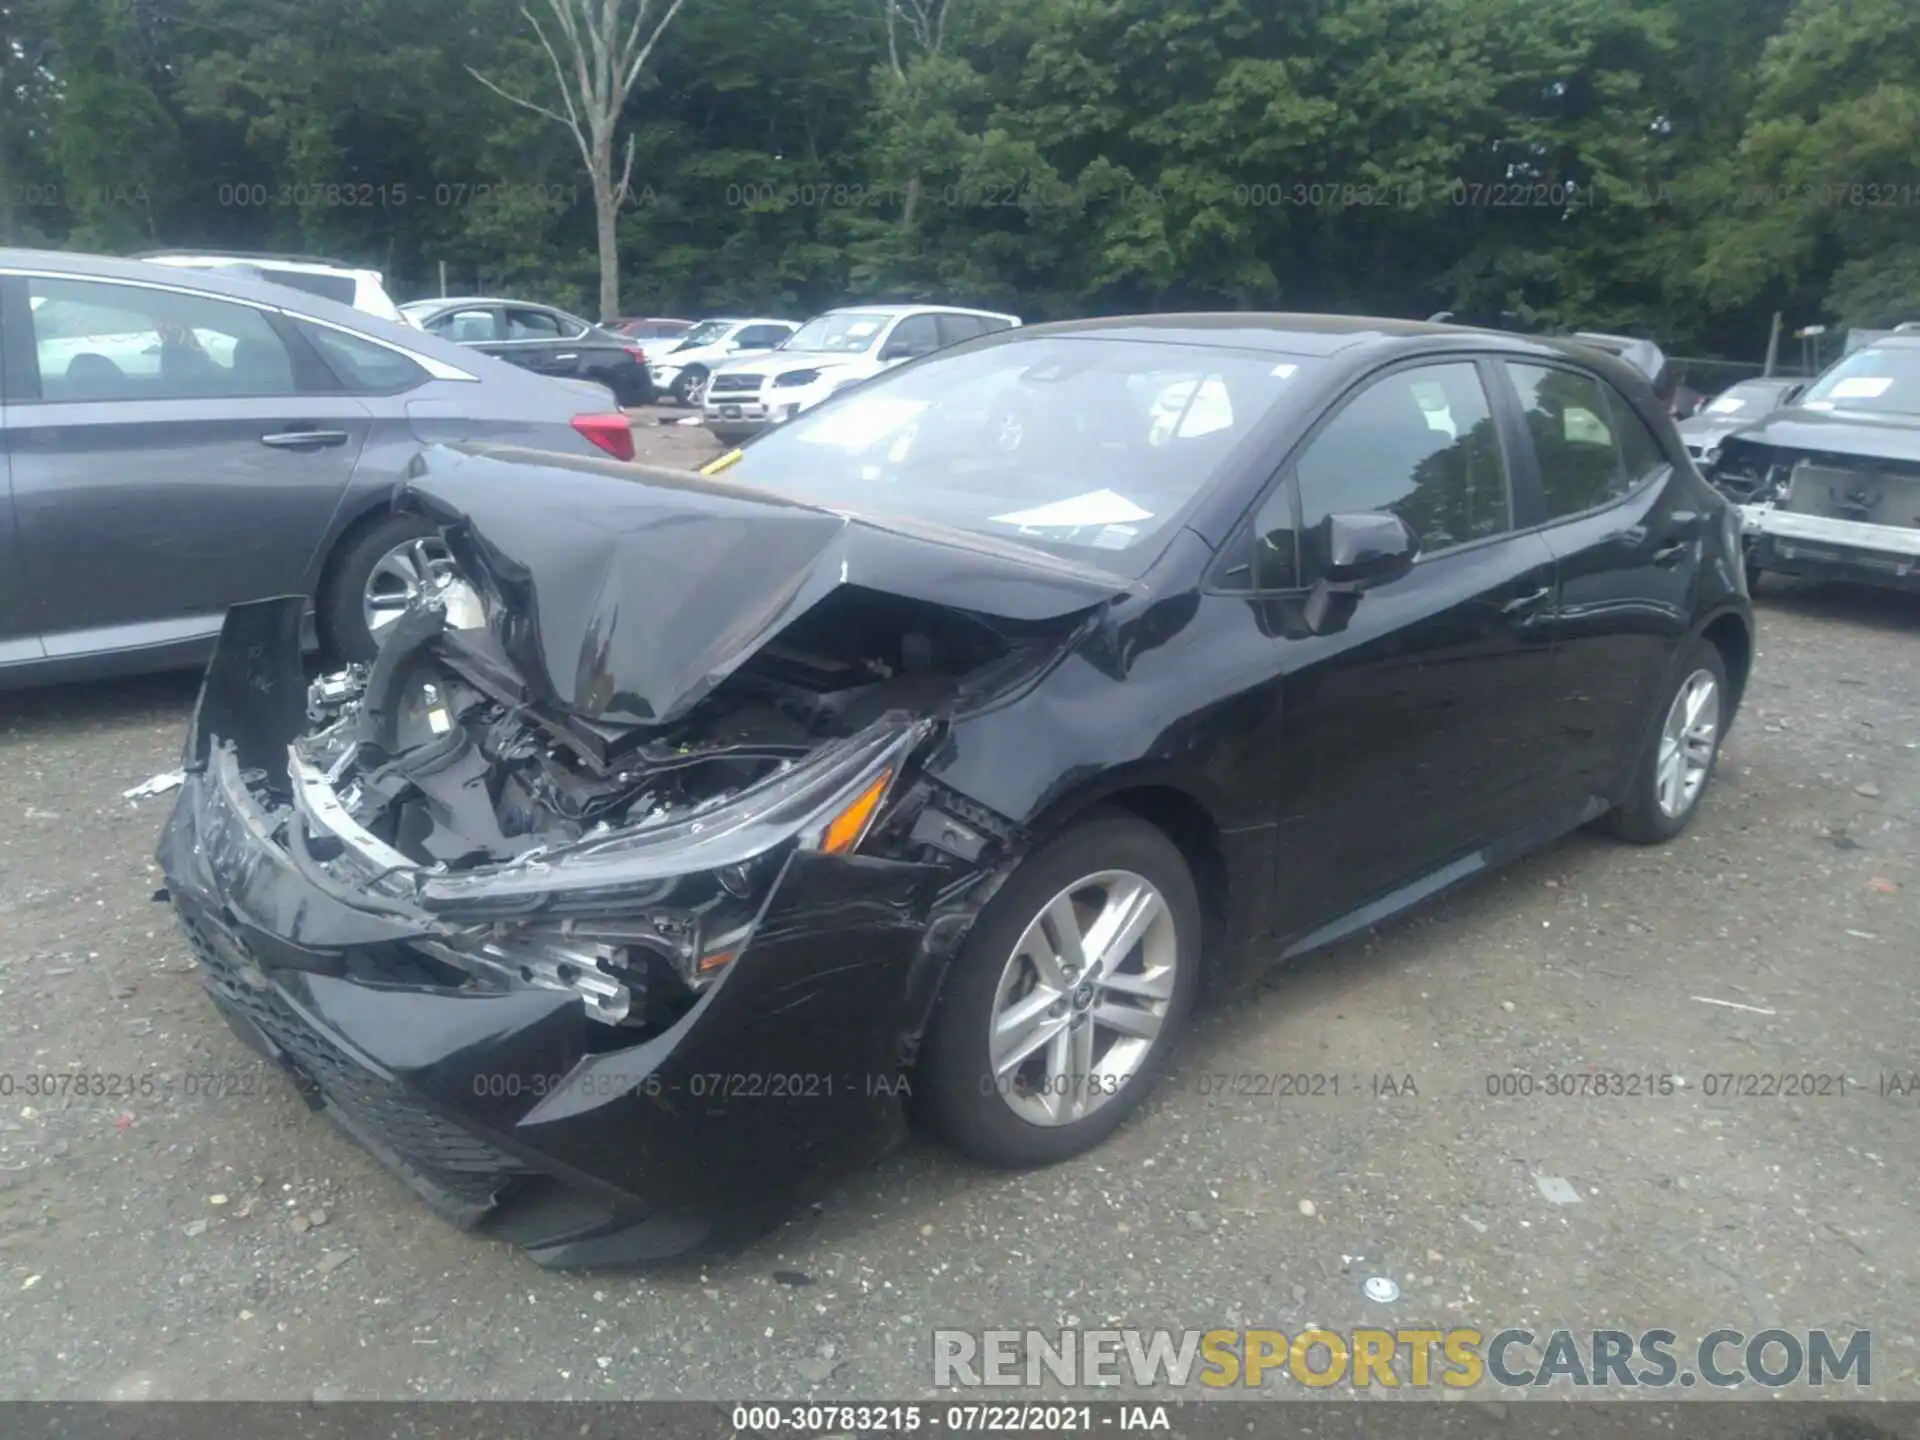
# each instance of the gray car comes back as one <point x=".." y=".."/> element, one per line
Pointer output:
<point x="1735" y="409"/>
<point x="173" y="443"/>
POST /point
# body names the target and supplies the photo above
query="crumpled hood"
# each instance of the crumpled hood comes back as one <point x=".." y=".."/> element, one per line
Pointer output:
<point x="625" y="593"/>
<point x="1837" y="432"/>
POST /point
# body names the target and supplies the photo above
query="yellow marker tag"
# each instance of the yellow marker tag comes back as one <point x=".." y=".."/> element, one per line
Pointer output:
<point x="714" y="467"/>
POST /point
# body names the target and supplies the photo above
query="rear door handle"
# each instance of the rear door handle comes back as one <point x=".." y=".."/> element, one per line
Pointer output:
<point x="566" y="357"/>
<point x="304" y="439"/>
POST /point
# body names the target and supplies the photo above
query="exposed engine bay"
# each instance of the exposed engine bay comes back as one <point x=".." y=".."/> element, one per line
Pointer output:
<point x="433" y="771"/>
<point x="434" y="748"/>
<point x="1871" y="490"/>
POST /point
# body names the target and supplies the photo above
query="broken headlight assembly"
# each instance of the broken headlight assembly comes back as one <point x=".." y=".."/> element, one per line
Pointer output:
<point x="632" y="893"/>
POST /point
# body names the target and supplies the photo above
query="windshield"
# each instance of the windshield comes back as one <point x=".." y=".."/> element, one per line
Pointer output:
<point x="705" y="333"/>
<point x="1749" y="397"/>
<point x="1879" y="381"/>
<point x="1084" y="447"/>
<point x="845" y="333"/>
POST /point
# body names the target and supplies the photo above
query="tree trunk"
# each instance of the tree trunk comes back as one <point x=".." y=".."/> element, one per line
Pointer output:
<point x="606" y="214"/>
<point x="912" y="205"/>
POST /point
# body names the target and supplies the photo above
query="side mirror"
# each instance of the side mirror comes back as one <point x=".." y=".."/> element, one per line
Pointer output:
<point x="1363" y="548"/>
<point x="1355" y="550"/>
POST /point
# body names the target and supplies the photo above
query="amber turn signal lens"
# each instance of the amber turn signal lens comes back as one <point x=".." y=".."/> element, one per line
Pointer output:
<point x="851" y="823"/>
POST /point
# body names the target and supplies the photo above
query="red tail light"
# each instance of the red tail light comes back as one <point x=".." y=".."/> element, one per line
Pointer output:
<point x="639" y="355"/>
<point x="612" y="433"/>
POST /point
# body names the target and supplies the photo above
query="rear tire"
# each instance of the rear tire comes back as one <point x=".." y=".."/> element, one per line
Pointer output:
<point x="1678" y="758"/>
<point x="341" y="617"/>
<point x="631" y="391"/>
<point x="1112" y="1022"/>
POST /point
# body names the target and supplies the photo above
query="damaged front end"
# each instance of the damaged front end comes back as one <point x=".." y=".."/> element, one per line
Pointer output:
<point x="609" y="990"/>
<point x="1831" y="504"/>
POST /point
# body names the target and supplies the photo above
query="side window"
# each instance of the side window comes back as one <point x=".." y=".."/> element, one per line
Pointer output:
<point x="363" y="367"/>
<point x="532" y="325"/>
<point x="467" y="327"/>
<point x="96" y="340"/>
<point x="1573" y="437"/>
<point x="1640" y="453"/>
<point x="762" y="337"/>
<point x="914" y="336"/>
<point x="1421" y="443"/>
<point x="955" y="328"/>
<point x="1276" y="548"/>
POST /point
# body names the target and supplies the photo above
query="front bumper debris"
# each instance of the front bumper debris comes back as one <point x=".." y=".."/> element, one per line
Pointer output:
<point x="505" y="1106"/>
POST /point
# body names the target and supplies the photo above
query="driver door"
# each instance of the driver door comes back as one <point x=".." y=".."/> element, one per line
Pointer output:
<point x="1422" y="730"/>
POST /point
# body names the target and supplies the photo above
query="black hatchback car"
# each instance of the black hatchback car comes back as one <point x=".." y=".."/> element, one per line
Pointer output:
<point x="540" y="338"/>
<point x="925" y="756"/>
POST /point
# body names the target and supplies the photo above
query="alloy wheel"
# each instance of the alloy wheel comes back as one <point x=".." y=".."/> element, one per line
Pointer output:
<point x="1687" y="743"/>
<point x="403" y="575"/>
<point x="1082" y="999"/>
<point x="696" y="389"/>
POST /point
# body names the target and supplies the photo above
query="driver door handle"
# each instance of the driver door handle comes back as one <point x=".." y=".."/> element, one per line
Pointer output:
<point x="1522" y="606"/>
<point x="304" y="439"/>
<point x="1669" y="555"/>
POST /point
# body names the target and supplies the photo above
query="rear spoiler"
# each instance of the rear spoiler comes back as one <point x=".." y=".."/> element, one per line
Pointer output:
<point x="1643" y="355"/>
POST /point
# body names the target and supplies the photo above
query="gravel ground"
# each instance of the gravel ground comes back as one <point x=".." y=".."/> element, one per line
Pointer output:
<point x="232" y="1245"/>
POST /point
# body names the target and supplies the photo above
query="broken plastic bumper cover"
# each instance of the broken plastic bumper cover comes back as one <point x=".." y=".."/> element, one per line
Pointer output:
<point x="456" y="1023"/>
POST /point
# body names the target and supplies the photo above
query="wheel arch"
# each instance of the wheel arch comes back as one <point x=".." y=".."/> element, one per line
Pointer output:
<point x="1730" y="631"/>
<point x="370" y="511"/>
<point x="1181" y="813"/>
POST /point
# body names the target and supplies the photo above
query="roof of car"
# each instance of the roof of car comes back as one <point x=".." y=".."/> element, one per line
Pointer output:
<point x="914" y="310"/>
<point x="1281" y="333"/>
<point x="435" y="301"/>
<point x="180" y="255"/>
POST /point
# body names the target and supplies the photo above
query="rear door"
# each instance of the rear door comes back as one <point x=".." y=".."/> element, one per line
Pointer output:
<point x="956" y="328"/>
<point x="912" y="337"/>
<point x="1628" y="549"/>
<point x="19" y="630"/>
<point x="545" y="342"/>
<point x="176" y="453"/>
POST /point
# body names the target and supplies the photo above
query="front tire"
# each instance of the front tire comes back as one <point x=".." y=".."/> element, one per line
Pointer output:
<point x="1064" y="1004"/>
<point x="373" y="579"/>
<point x="690" y="386"/>
<point x="1677" y="762"/>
